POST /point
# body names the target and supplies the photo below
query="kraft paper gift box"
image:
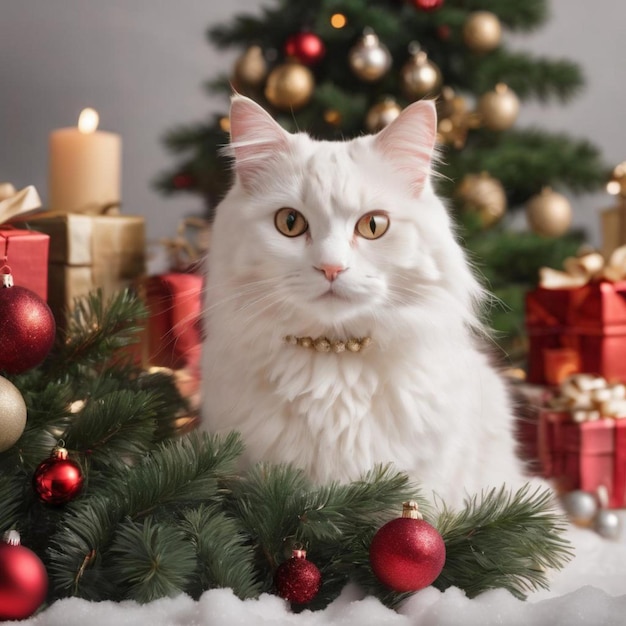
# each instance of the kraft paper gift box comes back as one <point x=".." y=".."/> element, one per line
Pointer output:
<point x="89" y="252"/>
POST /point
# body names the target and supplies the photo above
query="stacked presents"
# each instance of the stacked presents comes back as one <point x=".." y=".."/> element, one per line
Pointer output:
<point x="576" y="323"/>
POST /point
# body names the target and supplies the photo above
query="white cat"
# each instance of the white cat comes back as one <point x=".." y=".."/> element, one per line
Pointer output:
<point x="344" y="246"/>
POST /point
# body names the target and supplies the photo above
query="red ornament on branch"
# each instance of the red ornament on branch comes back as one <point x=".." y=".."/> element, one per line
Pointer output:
<point x="307" y="47"/>
<point x="58" y="480"/>
<point x="297" y="579"/>
<point x="27" y="328"/>
<point x="427" y="5"/>
<point x="407" y="553"/>
<point x="23" y="579"/>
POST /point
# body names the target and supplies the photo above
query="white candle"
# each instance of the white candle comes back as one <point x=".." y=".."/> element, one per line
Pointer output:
<point x="84" y="167"/>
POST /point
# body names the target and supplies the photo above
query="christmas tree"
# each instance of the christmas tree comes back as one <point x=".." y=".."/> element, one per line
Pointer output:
<point x="118" y="498"/>
<point x="339" y="68"/>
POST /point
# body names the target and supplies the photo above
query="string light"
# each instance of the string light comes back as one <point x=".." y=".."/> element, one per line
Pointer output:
<point x="338" y="20"/>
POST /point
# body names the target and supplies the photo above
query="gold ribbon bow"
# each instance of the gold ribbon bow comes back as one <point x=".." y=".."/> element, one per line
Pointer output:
<point x="581" y="270"/>
<point x="590" y="397"/>
<point x="14" y="203"/>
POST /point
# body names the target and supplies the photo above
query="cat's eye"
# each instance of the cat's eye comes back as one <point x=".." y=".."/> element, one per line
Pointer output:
<point x="372" y="225"/>
<point x="290" y="222"/>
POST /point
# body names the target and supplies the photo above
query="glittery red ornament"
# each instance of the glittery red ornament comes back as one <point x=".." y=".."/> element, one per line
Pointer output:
<point x="407" y="553"/>
<point x="23" y="579"/>
<point x="297" y="579"/>
<point x="27" y="328"/>
<point x="308" y="48"/>
<point x="428" y="5"/>
<point x="58" y="480"/>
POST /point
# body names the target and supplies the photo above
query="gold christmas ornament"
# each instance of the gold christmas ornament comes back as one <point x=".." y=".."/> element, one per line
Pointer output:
<point x="289" y="86"/>
<point x="617" y="183"/>
<point x="250" y="69"/>
<point x="482" y="31"/>
<point x="483" y="195"/>
<point x="382" y="114"/>
<point x="12" y="414"/>
<point x="455" y="120"/>
<point x="498" y="109"/>
<point x="369" y="59"/>
<point x="549" y="213"/>
<point x="420" y="77"/>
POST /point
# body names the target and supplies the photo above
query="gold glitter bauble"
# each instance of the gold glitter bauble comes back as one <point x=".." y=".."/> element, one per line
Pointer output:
<point x="498" y="109"/>
<point x="484" y="195"/>
<point x="382" y="114"/>
<point x="482" y="31"/>
<point x="420" y="77"/>
<point x="549" y="213"/>
<point x="250" y="69"/>
<point x="455" y="120"/>
<point x="369" y="59"/>
<point x="12" y="414"/>
<point x="289" y="86"/>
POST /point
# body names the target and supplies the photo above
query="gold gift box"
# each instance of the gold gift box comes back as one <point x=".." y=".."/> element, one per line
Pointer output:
<point x="88" y="252"/>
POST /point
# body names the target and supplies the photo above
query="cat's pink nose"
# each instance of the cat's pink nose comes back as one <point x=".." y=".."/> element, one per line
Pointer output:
<point x="331" y="271"/>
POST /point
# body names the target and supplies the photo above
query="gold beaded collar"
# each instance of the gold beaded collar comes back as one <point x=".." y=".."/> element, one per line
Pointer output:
<point x="324" y="344"/>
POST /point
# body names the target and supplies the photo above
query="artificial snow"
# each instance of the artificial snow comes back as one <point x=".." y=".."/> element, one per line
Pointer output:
<point x="591" y="589"/>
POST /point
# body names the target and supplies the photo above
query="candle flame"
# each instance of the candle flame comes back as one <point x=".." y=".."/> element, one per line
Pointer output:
<point x="88" y="121"/>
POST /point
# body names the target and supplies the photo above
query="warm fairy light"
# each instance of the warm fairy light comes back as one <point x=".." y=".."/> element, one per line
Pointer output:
<point x="338" y="20"/>
<point x="88" y="121"/>
<point x="613" y="187"/>
<point x="225" y="124"/>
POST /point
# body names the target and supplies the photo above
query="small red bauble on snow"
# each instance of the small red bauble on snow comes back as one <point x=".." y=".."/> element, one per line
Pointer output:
<point x="23" y="579"/>
<point x="428" y="5"/>
<point x="307" y="47"/>
<point x="58" y="480"/>
<point x="27" y="328"/>
<point x="297" y="579"/>
<point x="407" y="553"/>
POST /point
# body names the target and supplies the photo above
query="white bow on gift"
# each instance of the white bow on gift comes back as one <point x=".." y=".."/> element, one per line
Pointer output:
<point x="14" y="202"/>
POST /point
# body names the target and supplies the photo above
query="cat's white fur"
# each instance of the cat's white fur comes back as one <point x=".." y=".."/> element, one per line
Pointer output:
<point x="423" y="396"/>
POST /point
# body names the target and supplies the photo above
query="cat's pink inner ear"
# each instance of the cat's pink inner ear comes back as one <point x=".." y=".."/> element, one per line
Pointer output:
<point x="409" y="142"/>
<point x="254" y="135"/>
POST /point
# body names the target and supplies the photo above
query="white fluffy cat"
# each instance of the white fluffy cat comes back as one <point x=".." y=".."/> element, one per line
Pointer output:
<point x="347" y="240"/>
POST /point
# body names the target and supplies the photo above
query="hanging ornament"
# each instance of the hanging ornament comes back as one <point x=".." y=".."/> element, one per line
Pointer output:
<point x="250" y="69"/>
<point x="382" y="114"/>
<point x="307" y="47"/>
<point x="23" y="579"/>
<point x="297" y="579"/>
<point x="12" y="414"/>
<point x="419" y="77"/>
<point x="58" y="480"/>
<point x="443" y="32"/>
<point x="483" y="195"/>
<point x="427" y="5"/>
<point x="182" y="181"/>
<point x="289" y="86"/>
<point x="454" y="119"/>
<point x="482" y="31"/>
<point x="617" y="183"/>
<point x="498" y="109"/>
<point x="28" y="328"/>
<point x="407" y="553"/>
<point x="369" y="59"/>
<point x="549" y="213"/>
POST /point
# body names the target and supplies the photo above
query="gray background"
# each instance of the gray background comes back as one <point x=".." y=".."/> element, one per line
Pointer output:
<point x="141" y="64"/>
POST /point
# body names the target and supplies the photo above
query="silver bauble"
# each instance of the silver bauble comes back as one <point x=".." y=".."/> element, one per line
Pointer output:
<point x="607" y="524"/>
<point x="580" y="506"/>
<point x="369" y="59"/>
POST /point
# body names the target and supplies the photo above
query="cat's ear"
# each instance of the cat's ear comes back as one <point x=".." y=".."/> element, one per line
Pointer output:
<point x="409" y="142"/>
<point x="255" y="137"/>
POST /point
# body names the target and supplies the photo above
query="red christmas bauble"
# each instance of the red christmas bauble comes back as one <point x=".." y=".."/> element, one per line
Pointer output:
<point x="23" y="579"/>
<point x="428" y="5"/>
<point x="58" y="480"/>
<point x="182" y="181"/>
<point x="308" y="48"/>
<point x="27" y="328"/>
<point x="407" y="553"/>
<point x="297" y="579"/>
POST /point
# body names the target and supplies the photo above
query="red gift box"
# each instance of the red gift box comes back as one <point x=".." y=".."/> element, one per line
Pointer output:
<point x="26" y="253"/>
<point x="584" y="455"/>
<point x="174" y="336"/>
<point x="577" y="330"/>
